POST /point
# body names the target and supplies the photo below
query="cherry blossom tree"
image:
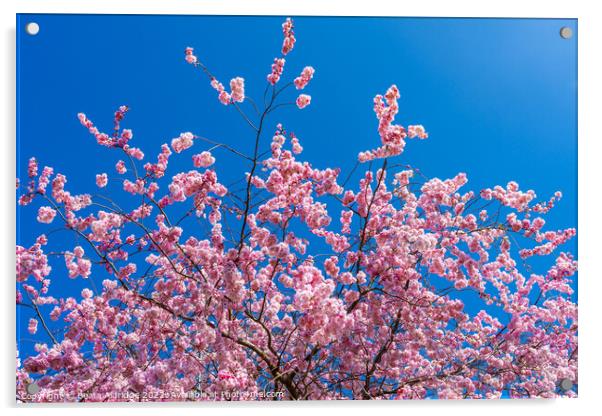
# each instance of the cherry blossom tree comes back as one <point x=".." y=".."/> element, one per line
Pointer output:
<point x="251" y="310"/>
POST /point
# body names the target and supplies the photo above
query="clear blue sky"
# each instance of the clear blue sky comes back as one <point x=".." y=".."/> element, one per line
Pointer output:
<point x="497" y="96"/>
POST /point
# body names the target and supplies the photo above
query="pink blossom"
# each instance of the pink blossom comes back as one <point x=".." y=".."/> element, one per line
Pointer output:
<point x="134" y="188"/>
<point x="32" y="168"/>
<point x="101" y="180"/>
<point x="120" y="167"/>
<point x="417" y="131"/>
<point x="303" y="100"/>
<point x="46" y="215"/>
<point x="32" y="262"/>
<point x="216" y="85"/>
<point x="224" y="98"/>
<point x="134" y="152"/>
<point x="189" y="55"/>
<point x="182" y="142"/>
<point x="289" y="36"/>
<point x="237" y="86"/>
<point x="425" y="243"/>
<point x="158" y="169"/>
<point x="33" y="326"/>
<point x="44" y="179"/>
<point x="131" y="339"/>
<point x="277" y="68"/>
<point x="306" y="75"/>
<point x="297" y="148"/>
<point x="203" y="159"/>
<point x="118" y="139"/>
<point x="392" y="135"/>
<point x="76" y="264"/>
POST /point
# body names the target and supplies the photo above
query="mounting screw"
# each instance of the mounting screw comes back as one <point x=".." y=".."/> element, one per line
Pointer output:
<point x="566" y="32"/>
<point x="32" y="388"/>
<point x="32" y="28"/>
<point x="565" y="384"/>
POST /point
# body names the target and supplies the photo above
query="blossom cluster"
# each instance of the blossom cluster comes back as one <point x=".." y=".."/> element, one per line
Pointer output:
<point x="306" y="75"/>
<point x="289" y="36"/>
<point x="237" y="85"/>
<point x="392" y="135"/>
<point x="303" y="100"/>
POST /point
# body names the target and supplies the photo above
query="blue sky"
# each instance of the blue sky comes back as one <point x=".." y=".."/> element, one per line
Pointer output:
<point x="497" y="96"/>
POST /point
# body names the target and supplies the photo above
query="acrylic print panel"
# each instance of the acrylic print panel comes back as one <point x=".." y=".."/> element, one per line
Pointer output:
<point x="265" y="208"/>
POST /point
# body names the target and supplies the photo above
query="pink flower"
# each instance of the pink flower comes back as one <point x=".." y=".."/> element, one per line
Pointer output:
<point x="32" y="168"/>
<point x="134" y="187"/>
<point x="158" y="169"/>
<point x="237" y="85"/>
<point x="116" y="139"/>
<point x="425" y="242"/>
<point x="132" y="339"/>
<point x="289" y="36"/>
<point x="101" y="180"/>
<point x="134" y="152"/>
<point x="216" y="85"/>
<point x="46" y="215"/>
<point x="303" y="100"/>
<point x="32" y="262"/>
<point x="277" y="68"/>
<point x="224" y="98"/>
<point x="190" y="58"/>
<point x="120" y="167"/>
<point x="183" y="142"/>
<point x="76" y="264"/>
<point x="392" y="136"/>
<point x="33" y="326"/>
<point x="203" y="159"/>
<point x="44" y="179"/>
<point x="417" y="131"/>
<point x="297" y="148"/>
<point x="306" y="75"/>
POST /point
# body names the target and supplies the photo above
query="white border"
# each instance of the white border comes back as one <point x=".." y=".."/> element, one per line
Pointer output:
<point x="590" y="175"/>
